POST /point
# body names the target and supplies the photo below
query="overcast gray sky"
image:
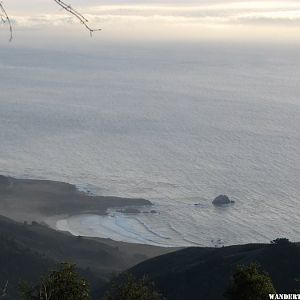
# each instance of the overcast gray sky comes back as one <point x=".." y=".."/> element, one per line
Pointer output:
<point x="169" y="19"/>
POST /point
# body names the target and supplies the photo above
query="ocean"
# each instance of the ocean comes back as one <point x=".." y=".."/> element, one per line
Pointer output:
<point x="175" y="124"/>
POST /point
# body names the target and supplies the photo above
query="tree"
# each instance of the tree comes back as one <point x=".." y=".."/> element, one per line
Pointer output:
<point x="4" y="17"/>
<point x="61" y="284"/>
<point x="250" y="283"/>
<point x="281" y="242"/>
<point x="3" y="291"/>
<point x="133" y="289"/>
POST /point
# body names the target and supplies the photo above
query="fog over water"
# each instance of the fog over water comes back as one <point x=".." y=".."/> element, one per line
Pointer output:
<point x="177" y="125"/>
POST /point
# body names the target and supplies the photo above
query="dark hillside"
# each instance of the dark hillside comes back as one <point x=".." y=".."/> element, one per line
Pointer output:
<point x="19" y="263"/>
<point x="28" y="250"/>
<point x="61" y="246"/>
<point x="204" y="273"/>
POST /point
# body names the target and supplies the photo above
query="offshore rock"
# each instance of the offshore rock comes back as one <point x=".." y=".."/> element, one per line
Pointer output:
<point x="222" y="200"/>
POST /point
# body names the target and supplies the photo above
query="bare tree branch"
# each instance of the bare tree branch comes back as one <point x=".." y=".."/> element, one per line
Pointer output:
<point x="77" y="15"/>
<point x="5" y="19"/>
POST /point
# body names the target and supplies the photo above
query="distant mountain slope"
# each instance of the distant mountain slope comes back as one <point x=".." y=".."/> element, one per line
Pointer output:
<point x="204" y="273"/>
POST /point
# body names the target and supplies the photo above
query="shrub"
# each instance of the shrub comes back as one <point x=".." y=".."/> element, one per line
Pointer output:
<point x="61" y="284"/>
<point x="133" y="289"/>
<point x="250" y="283"/>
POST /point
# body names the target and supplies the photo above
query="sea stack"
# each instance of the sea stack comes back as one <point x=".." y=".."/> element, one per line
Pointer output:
<point x="221" y="200"/>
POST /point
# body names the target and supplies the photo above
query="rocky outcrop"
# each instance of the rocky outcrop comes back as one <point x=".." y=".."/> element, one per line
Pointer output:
<point x="222" y="200"/>
<point x="129" y="210"/>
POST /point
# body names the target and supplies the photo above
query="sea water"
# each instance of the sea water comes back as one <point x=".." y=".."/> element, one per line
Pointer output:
<point x="177" y="125"/>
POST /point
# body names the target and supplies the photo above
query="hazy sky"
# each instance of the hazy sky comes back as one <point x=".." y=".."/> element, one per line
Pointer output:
<point x="167" y="20"/>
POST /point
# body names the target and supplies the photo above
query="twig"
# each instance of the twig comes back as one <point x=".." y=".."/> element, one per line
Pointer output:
<point x="5" y="19"/>
<point x="77" y="15"/>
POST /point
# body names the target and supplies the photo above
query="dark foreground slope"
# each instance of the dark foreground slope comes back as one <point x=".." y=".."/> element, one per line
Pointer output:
<point x="28" y="250"/>
<point x="204" y="273"/>
<point x="18" y="263"/>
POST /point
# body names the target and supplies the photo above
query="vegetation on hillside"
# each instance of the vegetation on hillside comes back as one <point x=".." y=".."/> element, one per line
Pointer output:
<point x="191" y="272"/>
<point x="250" y="283"/>
<point x="61" y="284"/>
<point x="65" y="283"/>
<point x="132" y="289"/>
<point x="195" y="273"/>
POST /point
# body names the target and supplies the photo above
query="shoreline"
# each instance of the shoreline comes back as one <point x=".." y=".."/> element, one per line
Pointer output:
<point x="27" y="201"/>
<point x="38" y="200"/>
<point x="65" y="224"/>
